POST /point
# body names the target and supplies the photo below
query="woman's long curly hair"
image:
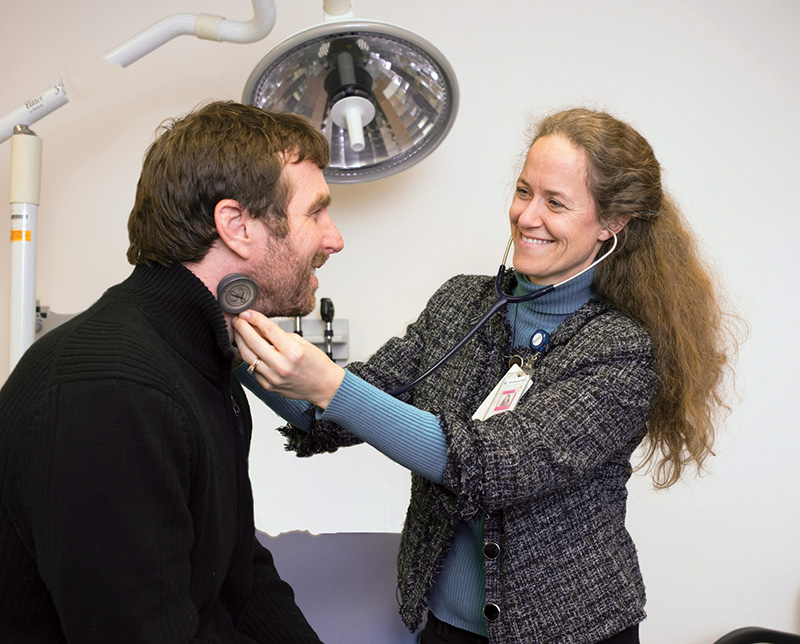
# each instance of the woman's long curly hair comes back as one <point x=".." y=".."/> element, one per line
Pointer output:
<point x="657" y="277"/>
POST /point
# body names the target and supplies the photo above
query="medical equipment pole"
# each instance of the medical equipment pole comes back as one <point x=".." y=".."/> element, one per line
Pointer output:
<point x="26" y="179"/>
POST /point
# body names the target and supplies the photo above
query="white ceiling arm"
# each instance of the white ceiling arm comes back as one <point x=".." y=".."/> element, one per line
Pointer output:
<point x="337" y="9"/>
<point x="202" y="26"/>
<point x="246" y="32"/>
<point x="151" y="38"/>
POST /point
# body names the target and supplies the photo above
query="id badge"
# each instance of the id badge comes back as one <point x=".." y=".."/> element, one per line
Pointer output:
<point x="505" y="396"/>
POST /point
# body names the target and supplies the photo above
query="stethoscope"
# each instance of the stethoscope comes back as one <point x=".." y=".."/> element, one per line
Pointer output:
<point x="503" y="299"/>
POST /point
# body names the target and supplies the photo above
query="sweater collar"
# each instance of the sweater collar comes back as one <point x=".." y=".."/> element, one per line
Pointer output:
<point x="561" y="301"/>
<point x="185" y="313"/>
<point x="548" y="311"/>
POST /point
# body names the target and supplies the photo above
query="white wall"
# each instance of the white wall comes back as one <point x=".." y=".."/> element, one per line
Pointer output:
<point x="712" y="84"/>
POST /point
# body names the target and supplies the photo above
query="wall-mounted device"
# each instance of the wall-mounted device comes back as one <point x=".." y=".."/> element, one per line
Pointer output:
<point x="326" y="312"/>
<point x="314" y="330"/>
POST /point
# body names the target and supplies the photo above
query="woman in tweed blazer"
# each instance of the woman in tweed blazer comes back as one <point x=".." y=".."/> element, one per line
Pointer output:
<point x="516" y="527"/>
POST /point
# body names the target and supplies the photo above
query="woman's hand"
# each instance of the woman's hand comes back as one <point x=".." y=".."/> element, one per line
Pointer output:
<point x="288" y="364"/>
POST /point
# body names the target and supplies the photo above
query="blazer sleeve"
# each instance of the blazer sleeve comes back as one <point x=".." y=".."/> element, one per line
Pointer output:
<point x="399" y="361"/>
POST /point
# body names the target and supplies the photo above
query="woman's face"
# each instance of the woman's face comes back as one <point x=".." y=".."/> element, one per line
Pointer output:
<point x="554" y="223"/>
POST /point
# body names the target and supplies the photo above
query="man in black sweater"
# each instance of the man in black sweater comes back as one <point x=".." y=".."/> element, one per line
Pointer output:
<point x="126" y="512"/>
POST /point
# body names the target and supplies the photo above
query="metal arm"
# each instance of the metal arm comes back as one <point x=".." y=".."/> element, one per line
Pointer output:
<point x="201" y="25"/>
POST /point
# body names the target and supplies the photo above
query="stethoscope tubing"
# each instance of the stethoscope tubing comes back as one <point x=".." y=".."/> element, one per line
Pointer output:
<point x="503" y="299"/>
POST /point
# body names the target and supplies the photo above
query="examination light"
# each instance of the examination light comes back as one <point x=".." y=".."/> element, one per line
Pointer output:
<point x="383" y="97"/>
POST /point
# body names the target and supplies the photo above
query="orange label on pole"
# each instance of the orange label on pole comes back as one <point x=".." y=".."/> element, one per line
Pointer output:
<point x="16" y="235"/>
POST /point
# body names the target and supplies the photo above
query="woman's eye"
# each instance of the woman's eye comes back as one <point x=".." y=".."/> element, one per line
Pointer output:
<point x="522" y="192"/>
<point x="555" y="205"/>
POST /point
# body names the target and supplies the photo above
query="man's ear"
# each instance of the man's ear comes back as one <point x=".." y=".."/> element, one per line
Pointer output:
<point x="235" y="226"/>
<point x="615" y="223"/>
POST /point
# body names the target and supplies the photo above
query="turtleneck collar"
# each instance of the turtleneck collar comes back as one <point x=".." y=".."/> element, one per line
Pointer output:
<point x="186" y="313"/>
<point x="563" y="300"/>
<point x="548" y="311"/>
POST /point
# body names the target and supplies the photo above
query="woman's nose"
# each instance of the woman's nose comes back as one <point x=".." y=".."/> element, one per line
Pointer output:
<point x="531" y="215"/>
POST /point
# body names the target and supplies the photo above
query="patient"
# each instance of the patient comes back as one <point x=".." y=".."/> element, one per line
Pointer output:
<point x="126" y="512"/>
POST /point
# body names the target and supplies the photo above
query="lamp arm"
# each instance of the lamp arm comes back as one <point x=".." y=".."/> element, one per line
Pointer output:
<point x="201" y="25"/>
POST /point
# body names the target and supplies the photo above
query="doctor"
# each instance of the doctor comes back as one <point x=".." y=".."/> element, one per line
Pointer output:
<point x="515" y="532"/>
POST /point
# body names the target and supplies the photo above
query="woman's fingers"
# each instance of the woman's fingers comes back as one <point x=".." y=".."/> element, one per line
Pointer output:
<point x="250" y="342"/>
<point x="267" y="329"/>
<point x="283" y="355"/>
<point x="290" y="365"/>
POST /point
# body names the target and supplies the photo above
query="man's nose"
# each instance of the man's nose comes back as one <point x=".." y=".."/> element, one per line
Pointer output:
<point x="333" y="239"/>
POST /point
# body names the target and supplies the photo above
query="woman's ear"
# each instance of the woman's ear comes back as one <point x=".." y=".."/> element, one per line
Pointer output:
<point x="235" y="227"/>
<point x="615" y="223"/>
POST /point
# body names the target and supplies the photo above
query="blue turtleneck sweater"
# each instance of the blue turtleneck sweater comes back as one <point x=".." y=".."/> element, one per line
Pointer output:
<point x="414" y="438"/>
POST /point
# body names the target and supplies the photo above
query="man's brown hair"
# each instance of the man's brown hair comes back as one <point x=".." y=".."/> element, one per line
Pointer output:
<point x="224" y="150"/>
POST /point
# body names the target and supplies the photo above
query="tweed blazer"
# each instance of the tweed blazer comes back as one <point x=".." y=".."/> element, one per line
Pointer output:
<point x="548" y="479"/>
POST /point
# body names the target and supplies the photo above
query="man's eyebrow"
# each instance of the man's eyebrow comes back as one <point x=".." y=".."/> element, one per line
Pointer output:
<point x="322" y="201"/>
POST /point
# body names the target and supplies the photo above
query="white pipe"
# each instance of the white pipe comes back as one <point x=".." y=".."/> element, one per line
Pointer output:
<point x="201" y="25"/>
<point x="337" y="9"/>
<point x="151" y="38"/>
<point x="31" y="111"/>
<point x="26" y="173"/>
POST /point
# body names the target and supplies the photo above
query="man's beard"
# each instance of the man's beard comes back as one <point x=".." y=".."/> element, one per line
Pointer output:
<point x="284" y="281"/>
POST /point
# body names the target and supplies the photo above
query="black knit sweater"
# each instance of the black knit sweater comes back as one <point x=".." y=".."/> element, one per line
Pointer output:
<point x="126" y="512"/>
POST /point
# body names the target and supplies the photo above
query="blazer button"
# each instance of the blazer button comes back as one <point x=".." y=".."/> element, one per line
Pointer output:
<point x="491" y="550"/>
<point x="491" y="612"/>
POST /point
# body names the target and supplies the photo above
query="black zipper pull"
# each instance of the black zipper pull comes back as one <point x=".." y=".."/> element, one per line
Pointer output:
<point x="238" y="413"/>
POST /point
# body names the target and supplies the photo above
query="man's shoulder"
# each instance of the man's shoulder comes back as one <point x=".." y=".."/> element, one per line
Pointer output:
<point x="110" y="339"/>
<point x="94" y="360"/>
